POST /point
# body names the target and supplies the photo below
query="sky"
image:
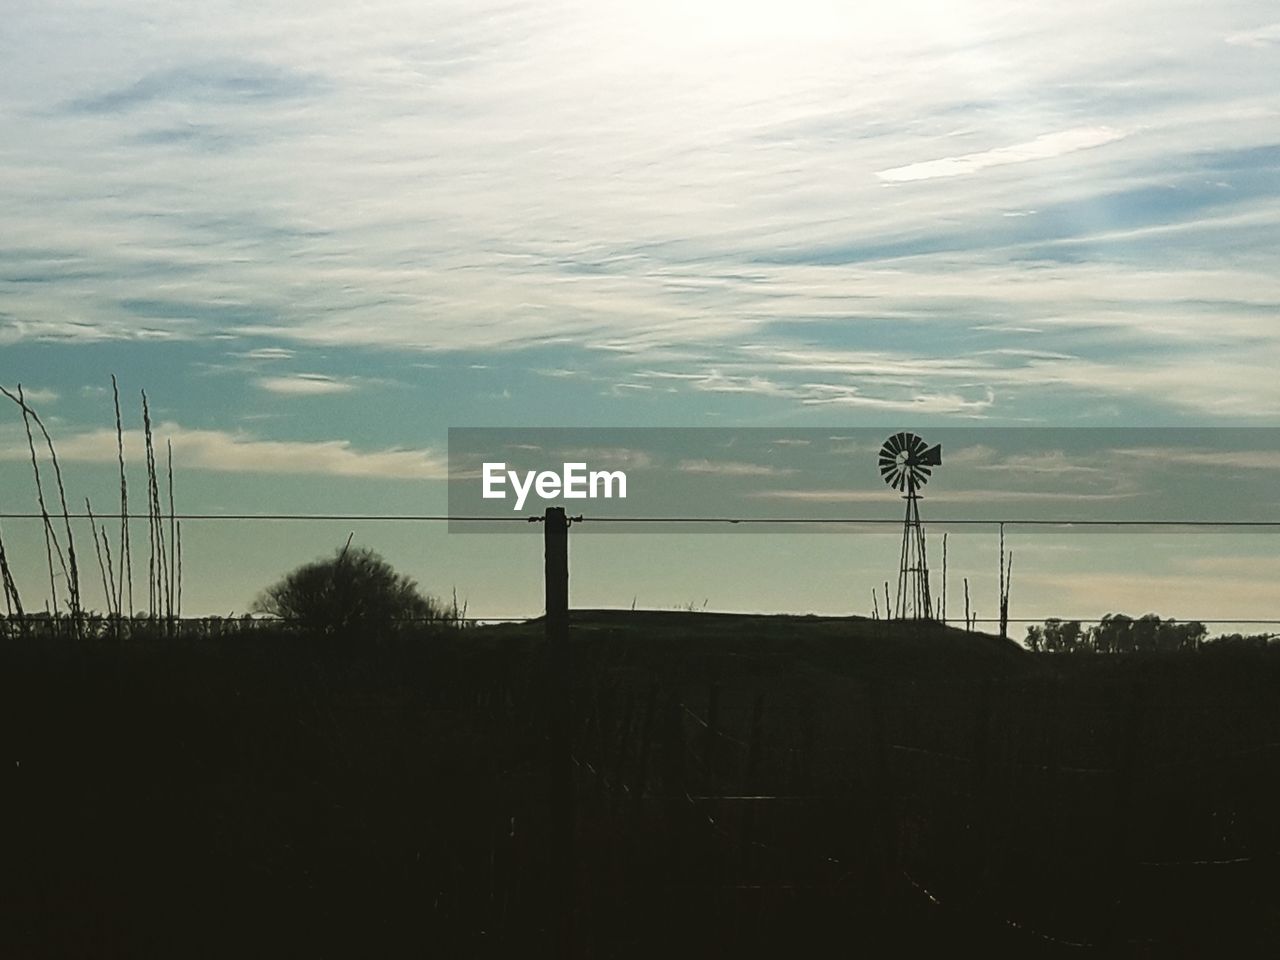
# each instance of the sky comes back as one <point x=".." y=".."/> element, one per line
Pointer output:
<point x="320" y="234"/>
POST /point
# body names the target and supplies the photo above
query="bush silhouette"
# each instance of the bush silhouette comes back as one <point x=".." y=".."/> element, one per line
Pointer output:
<point x="355" y="592"/>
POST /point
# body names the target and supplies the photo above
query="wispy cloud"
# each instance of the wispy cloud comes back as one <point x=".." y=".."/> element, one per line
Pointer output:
<point x="1268" y="36"/>
<point x="240" y="82"/>
<point x="1220" y="459"/>
<point x="1049" y="463"/>
<point x="609" y="457"/>
<point x="267" y="353"/>
<point x="38" y="395"/>
<point x="1044" y="147"/>
<point x="986" y="497"/>
<point x="727" y="468"/>
<point x="305" y="385"/>
<point x="224" y="451"/>
<point x="821" y="177"/>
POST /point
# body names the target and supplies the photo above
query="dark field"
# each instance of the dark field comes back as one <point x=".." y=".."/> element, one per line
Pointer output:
<point x="742" y="786"/>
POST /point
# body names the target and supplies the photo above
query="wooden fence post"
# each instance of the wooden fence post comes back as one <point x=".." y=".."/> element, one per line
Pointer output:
<point x="556" y="566"/>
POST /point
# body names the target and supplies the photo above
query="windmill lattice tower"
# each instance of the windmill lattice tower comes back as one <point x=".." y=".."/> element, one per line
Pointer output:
<point x="905" y="462"/>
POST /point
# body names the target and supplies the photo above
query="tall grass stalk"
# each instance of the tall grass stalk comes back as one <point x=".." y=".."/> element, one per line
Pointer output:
<point x="73" y="579"/>
<point x="126" y="561"/>
<point x="111" y="573"/>
<point x="943" y="618"/>
<point x="158" y="564"/>
<point x="107" y="589"/>
<point x="172" y="589"/>
<point x="12" y="602"/>
<point x="51" y="545"/>
<point x="177" y="546"/>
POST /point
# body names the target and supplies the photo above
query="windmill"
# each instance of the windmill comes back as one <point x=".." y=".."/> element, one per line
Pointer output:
<point x="905" y="462"/>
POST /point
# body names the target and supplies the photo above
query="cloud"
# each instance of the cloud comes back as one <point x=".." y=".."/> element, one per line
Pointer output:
<point x="1221" y="459"/>
<point x="725" y="468"/>
<point x="1268" y="36"/>
<point x="1044" y="147"/>
<point x="196" y="449"/>
<point x="433" y="180"/>
<point x="211" y="83"/>
<point x="990" y="497"/>
<point x="1052" y="462"/>
<point x="305" y="385"/>
<point x="609" y="457"/>
<point x="37" y="395"/>
<point x="919" y="402"/>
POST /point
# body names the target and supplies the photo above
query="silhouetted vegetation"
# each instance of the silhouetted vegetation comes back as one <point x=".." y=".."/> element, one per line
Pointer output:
<point x="1117" y="633"/>
<point x="164" y="558"/>
<point x="753" y="786"/>
<point x="355" y="593"/>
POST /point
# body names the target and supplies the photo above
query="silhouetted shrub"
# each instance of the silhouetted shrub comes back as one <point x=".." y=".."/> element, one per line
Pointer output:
<point x="353" y="593"/>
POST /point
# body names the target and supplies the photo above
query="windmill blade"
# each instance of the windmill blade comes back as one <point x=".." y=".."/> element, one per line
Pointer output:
<point x="906" y="460"/>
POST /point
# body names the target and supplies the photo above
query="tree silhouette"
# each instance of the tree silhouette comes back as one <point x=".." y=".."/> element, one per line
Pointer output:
<point x="1117" y="633"/>
<point x="1056" y="636"/>
<point x="353" y="593"/>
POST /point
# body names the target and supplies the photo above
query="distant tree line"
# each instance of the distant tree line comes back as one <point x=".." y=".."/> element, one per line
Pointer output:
<point x="1117" y="633"/>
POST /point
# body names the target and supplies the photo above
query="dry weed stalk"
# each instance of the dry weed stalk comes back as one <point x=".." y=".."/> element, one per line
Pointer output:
<point x="943" y="616"/>
<point x="73" y="581"/>
<point x="97" y="547"/>
<point x="126" y="560"/>
<point x="50" y="536"/>
<point x="67" y="561"/>
<point x="172" y="588"/>
<point x="111" y="574"/>
<point x="161" y="603"/>
<point x="177" y="546"/>
<point x="1006" y="575"/>
<point x="12" y="602"/>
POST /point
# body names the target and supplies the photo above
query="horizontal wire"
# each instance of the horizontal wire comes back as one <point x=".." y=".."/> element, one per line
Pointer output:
<point x="416" y="518"/>
<point x="534" y="518"/>
<point x="897" y="521"/>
